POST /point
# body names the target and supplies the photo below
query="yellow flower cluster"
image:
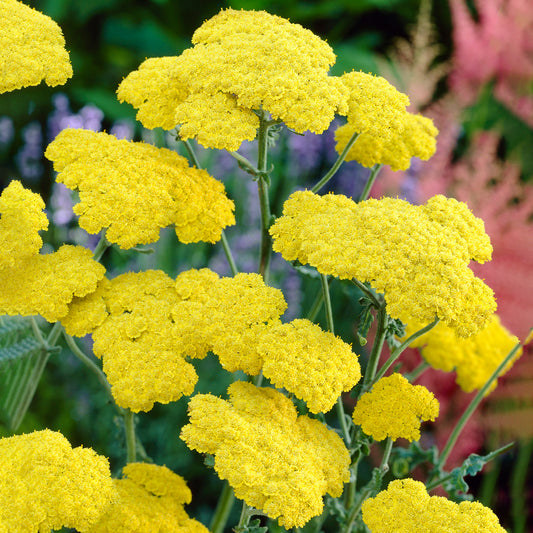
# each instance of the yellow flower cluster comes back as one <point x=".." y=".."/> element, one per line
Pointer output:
<point x="21" y="219"/>
<point x="275" y="460"/>
<point x="150" y="498"/>
<point x="474" y="359"/>
<point x="226" y="316"/>
<point x="45" y="484"/>
<point x="34" y="284"/>
<point x="241" y="61"/>
<point x="33" y="48"/>
<point x="388" y="134"/>
<point x="135" y="189"/>
<point x="394" y="408"/>
<point x="406" y="506"/>
<point x="417" y="256"/>
<point x="311" y="363"/>
<point x="416" y="138"/>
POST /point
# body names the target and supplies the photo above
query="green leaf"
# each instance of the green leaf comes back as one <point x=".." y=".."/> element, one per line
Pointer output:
<point x="22" y="361"/>
<point x="253" y="527"/>
<point x="405" y="460"/>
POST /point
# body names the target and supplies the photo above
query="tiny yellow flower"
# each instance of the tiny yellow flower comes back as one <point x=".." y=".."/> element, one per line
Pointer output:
<point x="241" y="61"/>
<point x="406" y="506"/>
<point x="135" y="189"/>
<point x="417" y="256"/>
<point x="311" y="363"/>
<point x="33" y="48"/>
<point x="21" y="219"/>
<point x="474" y="358"/>
<point x="151" y="498"/>
<point x="394" y="408"/>
<point x="275" y="460"/>
<point x="45" y="484"/>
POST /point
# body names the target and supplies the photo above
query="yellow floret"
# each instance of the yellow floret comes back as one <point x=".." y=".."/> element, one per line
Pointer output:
<point x="33" y="48"/>
<point x="151" y="498"/>
<point x="46" y="485"/>
<point x="417" y="256"/>
<point x="406" y="506"/>
<point x="21" y="219"/>
<point x="135" y="189"/>
<point x="143" y="356"/>
<point x="474" y="359"/>
<point x="311" y="363"/>
<point x="227" y="318"/>
<point x="241" y="61"/>
<point x="415" y="139"/>
<point x="275" y="460"/>
<point x="46" y="284"/>
<point x="394" y="408"/>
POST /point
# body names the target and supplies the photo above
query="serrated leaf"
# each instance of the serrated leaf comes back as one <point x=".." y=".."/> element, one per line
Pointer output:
<point x="253" y="527"/>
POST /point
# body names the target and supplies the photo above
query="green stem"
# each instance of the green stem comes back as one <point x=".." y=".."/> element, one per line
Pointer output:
<point x="331" y="326"/>
<point x="191" y="153"/>
<point x="375" y="354"/>
<point x="398" y="351"/>
<point x="229" y="255"/>
<point x="367" y="492"/>
<point x="245" y="163"/>
<point x="76" y="350"/>
<point x="472" y="407"/>
<point x="327" y="302"/>
<point x="131" y="445"/>
<point x="54" y="334"/>
<point x="331" y="172"/>
<point x="101" y="247"/>
<point x="264" y="202"/>
<point x="518" y="486"/>
<point x="223" y="509"/>
<point x="371" y="179"/>
<point x="367" y="292"/>
<point x="315" y="308"/>
<point x="417" y="372"/>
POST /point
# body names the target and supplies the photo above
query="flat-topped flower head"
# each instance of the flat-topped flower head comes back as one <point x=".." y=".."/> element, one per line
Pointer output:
<point x="418" y="256"/>
<point x="21" y="218"/>
<point x="151" y="498"/>
<point x="394" y="408"/>
<point x="45" y="484"/>
<point x="46" y="284"/>
<point x="415" y="139"/>
<point x="135" y="189"/>
<point x="33" y="48"/>
<point x="406" y="506"/>
<point x="275" y="460"/>
<point x="474" y="359"/>
<point x="241" y="61"/>
<point x="226" y="316"/>
<point x="311" y="363"/>
<point x="144" y="358"/>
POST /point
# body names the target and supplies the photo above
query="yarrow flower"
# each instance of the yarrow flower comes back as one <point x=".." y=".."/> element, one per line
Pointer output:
<point x="394" y="408"/>
<point x="241" y="61"/>
<point x="275" y="460"/>
<point x="406" y="506"/>
<point x="417" y="256"/>
<point x="311" y="363"/>
<point x="33" y="48"/>
<point x="34" y="284"/>
<point x="226" y="316"/>
<point x="135" y="189"/>
<point x="416" y="138"/>
<point x="474" y="359"/>
<point x="45" y="484"/>
<point x="21" y="219"/>
<point x="150" y="498"/>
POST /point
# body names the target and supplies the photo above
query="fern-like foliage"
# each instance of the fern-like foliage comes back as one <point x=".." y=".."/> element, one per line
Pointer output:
<point x="22" y="360"/>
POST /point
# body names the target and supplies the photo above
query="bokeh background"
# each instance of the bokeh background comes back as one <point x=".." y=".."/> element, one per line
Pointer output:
<point x="466" y="64"/>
